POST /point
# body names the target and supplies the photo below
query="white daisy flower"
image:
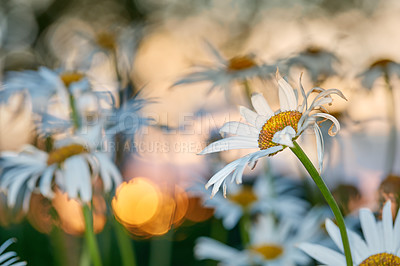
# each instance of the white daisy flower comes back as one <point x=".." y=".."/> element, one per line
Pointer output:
<point x="77" y="43"/>
<point x="267" y="195"/>
<point x="380" y="247"/>
<point x="73" y="166"/>
<point x="226" y="71"/>
<point x="271" y="131"/>
<point x="318" y="62"/>
<point x="43" y="84"/>
<point x="270" y="243"/>
<point x="379" y="68"/>
<point x="9" y="258"/>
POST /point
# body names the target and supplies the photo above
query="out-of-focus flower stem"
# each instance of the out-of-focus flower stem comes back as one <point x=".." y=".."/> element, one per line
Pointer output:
<point x="125" y="245"/>
<point x="91" y="237"/>
<point x="57" y="241"/>
<point x="392" y="142"/>
<point x="244" y="228"/>
<point x="328" y="197"/>
<point x="74" y="112"/>
<point x="248" y="91"/>
<point x="161" y="249"/>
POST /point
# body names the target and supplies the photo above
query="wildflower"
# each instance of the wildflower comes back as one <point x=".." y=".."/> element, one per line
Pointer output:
<point x="266" y="195"/>
<point x="318" y="62"/>
<point x="271" y="131"/>
<point x="73" y="166"/>
<point x="44" y="84"/>
<point x="271" y="243"/>
<point x="382" y="67"/>
<point x="227" y="71"/>
<point x="92" y="43"/>
<point x="9" y="258"/>
<point x="380" y="247"/>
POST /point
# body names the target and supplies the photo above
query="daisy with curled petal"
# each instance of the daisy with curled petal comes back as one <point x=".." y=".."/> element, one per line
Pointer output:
<point x="271" y="131"/>
<point x="226" y="71"/>
<point x="9" y="258"/>
<point x="73" y="166"/>
<point x="267" y="195"/>
<point x="381" y="245"/>
<point x="271" y="243"/>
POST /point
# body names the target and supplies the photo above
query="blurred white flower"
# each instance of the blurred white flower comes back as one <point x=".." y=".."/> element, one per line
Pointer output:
<point x="267" y="195"/>
<point x="227" y="71"/>
<point x="73" y="165"/>
<point x="272" y="131"/>
<point x="380" y="247"/>
<point x="380" y="68"/>
<point x="43" y="84"/>
<point x="117" y="40"/>
<point x="271" y="243"/>
<point x="318" y="62"/>
<point x="128" y="118"/>
<point x="9" y="258"/>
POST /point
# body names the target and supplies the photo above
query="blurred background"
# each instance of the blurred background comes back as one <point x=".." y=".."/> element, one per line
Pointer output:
<point x="155" y="47"/>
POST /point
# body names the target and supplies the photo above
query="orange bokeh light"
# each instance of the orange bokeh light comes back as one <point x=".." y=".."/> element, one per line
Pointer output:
<point x="136" y="201"/>
<point x="71" y="216"/>
<point x="148" y="209"/>
<point x="197" y="212"/>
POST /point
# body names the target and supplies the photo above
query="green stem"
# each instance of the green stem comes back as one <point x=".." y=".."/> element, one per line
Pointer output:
<point x="247" y="90"/>
<point x="57" y="241"/>
<point x="90" y="236"/>
<point x="74" y="112"/>
<point x="244" y="228"/>
<point x="161" y="249"/>
<point x="328" y="197"/>
<point x="125" y="245"/>
<point x="392" y="120"/>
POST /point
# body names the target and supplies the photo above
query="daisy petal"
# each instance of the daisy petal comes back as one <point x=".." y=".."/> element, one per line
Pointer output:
<point x="261" y="105"/>
<point x="239" y="129"/>
<point x="223" y="173"/>
<point x="231" y="143"/>
<point x="323" y="254"/>
<point x="207" y="248"/>
<point x="45" y="181"/>
<point x="370" y="231"/>
<point x="387" y="223"/>
<point x="249" y="115"/>
<point x="320" y="146"/>
<point x="252" y="117"/>
<point x="287" y="98"/>
<point x="334" y="129"/>
<point x="285" y="136"/>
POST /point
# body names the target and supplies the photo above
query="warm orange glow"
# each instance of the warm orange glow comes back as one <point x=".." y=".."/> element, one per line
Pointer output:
<point x="136" y="201"/>
<point x="71" y="216"/>
<point x="147" y="209"/>
<point x="39" y="214"/>
<point x="7" y="215"/>
<point x="196" y="212"/>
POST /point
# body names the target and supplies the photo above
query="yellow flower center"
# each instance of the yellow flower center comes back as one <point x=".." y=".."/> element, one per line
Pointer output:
<point x="106" y="40"/>
<point x="269" y="252"/>
<point x="381" y="259"/>
<point x="277" y="123"/>
<point x="63" y="153"/>
<point x="244" y="198"/>
<point x="70" y="77"/>
<point x="240" y="63"/>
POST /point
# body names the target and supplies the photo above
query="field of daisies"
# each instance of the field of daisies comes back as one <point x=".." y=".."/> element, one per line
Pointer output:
<point x="199" y="132"/>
